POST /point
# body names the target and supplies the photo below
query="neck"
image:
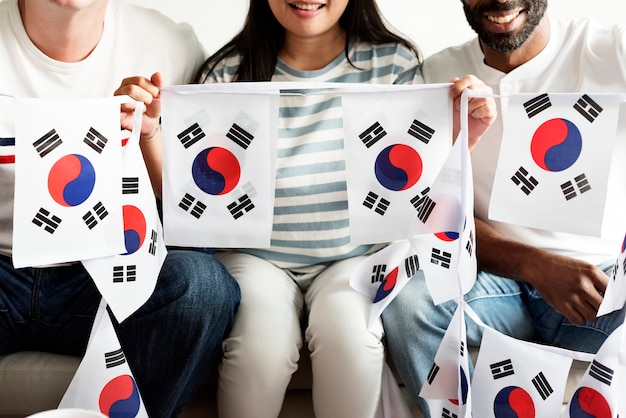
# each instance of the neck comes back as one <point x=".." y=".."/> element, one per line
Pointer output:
<point x="508" y="61"/>
<point x="63" y="33"/>
<point x="308" y="54"/>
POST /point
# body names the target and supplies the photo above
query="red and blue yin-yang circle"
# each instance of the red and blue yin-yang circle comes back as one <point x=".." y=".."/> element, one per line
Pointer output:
<point x="624" y="244"/>
<point x="387" y="285"/>
<point x="464" y="388"/>
<point x="134" y="228"/>
<point x="556" y="145"/>
<point x="398" y="167"/>
<point x="513" y="402"/>
<point x="447" y="236"/>
<point x="120" y="398"/>
<point x="589" y="403"/>
<point x="216" y="171"/>
<point x="71" y="180"/>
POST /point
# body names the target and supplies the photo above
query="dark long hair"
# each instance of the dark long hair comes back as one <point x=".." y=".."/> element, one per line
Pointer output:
<point x="262" y="37"/>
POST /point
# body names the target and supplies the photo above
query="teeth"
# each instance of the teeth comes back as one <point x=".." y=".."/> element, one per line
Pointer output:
<point x="307" y="7"/>
<point x="503" y="19"/>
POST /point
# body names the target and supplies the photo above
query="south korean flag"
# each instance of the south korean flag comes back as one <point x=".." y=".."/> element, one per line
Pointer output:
<point x="382" y="275"/>
<point x="67" y="171"/>
<point x="127" y="280"/>
<point x="615" y="294"/>
<point x="396" y="142"/>
<point x="104" y="381"/>
<point x="548" y="174"/>
<point x="218" y="160"/>
<point x="515" y="378"/>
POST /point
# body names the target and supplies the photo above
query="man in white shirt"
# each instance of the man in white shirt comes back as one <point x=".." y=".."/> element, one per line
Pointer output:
<point x="532" y="284"/>
<point x="83" y="49"/>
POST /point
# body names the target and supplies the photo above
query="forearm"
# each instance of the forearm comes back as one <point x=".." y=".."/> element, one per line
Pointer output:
<point x="152" y="156"/>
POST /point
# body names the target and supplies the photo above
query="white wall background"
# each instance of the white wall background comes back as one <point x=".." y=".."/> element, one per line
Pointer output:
<point x="431" y="24"/>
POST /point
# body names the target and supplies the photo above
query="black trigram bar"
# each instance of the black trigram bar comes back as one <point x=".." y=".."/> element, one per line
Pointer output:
<point x="153" y="243"/>
<point x="378" y="273"/>
<point x="47" y="143"/>
<point x="95" y="140"/>
<point x="99" y="212"/>
<point x="240" y="206"/>
<point x="424" y="205"/>
<point x="240" y="136"/>
<point x="130" y="185"/>
<point x="114" y="358"/>
<point x="537" y="105"/>
<point x="441" y="258"/>
<point x="187" y="203"/>
<point x="432" y="374"/>
<point x="124" y="273"/>
<point x="191" y="135"/>
<point x="543" y="386"/>
<point x="377" y="203"/>
<point x="523" y="179"/>
<point x="502" y="369"/>
<point x="569" y="188"/>
<point x="446" y="413"/>
<point x="588" y="108"/>
<point x="462" y="349"/>
<point x="49" y="222"/>
<point x="469" y="247"/>
<point x="624" y="267"/>
<point x="421" y="131"/>
<point x="411" y="265"/>
<point x="601" y="373"/>
<point x="373" y="134"/>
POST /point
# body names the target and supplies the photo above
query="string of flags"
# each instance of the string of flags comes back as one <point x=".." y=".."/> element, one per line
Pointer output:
<point x="77" y="184"/>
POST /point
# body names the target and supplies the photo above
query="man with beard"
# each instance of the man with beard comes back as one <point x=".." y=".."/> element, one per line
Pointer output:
<point x="532" y="284"/>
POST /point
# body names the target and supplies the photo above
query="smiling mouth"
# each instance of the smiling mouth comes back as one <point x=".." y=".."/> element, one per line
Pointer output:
<point x="306" y="7"/>
<point x="503" y="19"/>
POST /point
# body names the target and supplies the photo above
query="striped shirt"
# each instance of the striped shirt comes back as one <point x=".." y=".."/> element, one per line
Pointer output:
<point x="311" y="220"/>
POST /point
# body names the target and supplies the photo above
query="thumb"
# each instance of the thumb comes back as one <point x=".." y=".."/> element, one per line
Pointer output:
<point x="157" y="79"/>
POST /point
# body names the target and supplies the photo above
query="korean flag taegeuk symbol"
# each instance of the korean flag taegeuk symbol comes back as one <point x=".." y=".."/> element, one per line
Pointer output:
<point x="218" y="173"/>
<point x="67" y="173"/>
<point x="396" y="143"/>
<point x="104" y="381"/>
<point x="548" y="174"/>
<point x="127" y="280"/>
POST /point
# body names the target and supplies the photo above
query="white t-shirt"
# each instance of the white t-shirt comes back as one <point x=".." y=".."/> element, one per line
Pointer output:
<point x="135" y="41"/>
<point x="581" y="56"/>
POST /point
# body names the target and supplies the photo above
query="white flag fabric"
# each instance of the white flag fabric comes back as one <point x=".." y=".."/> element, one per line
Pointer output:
<point x="127" y="280"/>
<point x="548" y="174"/>
<point x="382" y="276"/>
<point x="615" y="294"/>
<point x="396" y="143"/>
<point x="449" y="377"/>
<point x="218" y="165"/>
<point x="516" y="378"/>
<point x="103" y="381"/>
<point x="600" y="392"/>
<point x="67" y="171"/>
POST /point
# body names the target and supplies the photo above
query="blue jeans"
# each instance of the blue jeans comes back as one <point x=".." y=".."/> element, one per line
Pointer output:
<point x="414" y="326"/>
<point x="170" y="343"/>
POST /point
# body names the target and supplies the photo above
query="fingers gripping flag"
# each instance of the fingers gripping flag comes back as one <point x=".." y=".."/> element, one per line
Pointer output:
<point x="67" y="171"/>
<point x="382" y="276"/>
<point x="615" y="294"/>
<point x="103" y="381"/>
<point x="449" y="378"/>
<point x="127" y="280"/>
<point x="219" y="152"/>
<point x="515" y="378"/>
<point x="396" y="143"/>
<point x="548" y="174"/>
<point x="600" y="392"/>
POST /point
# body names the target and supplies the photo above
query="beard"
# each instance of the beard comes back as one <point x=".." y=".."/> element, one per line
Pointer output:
<point x="505" y="42"/>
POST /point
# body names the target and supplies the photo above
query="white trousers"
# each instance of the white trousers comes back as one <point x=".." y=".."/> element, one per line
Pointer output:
<point x="262" y="351"/>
